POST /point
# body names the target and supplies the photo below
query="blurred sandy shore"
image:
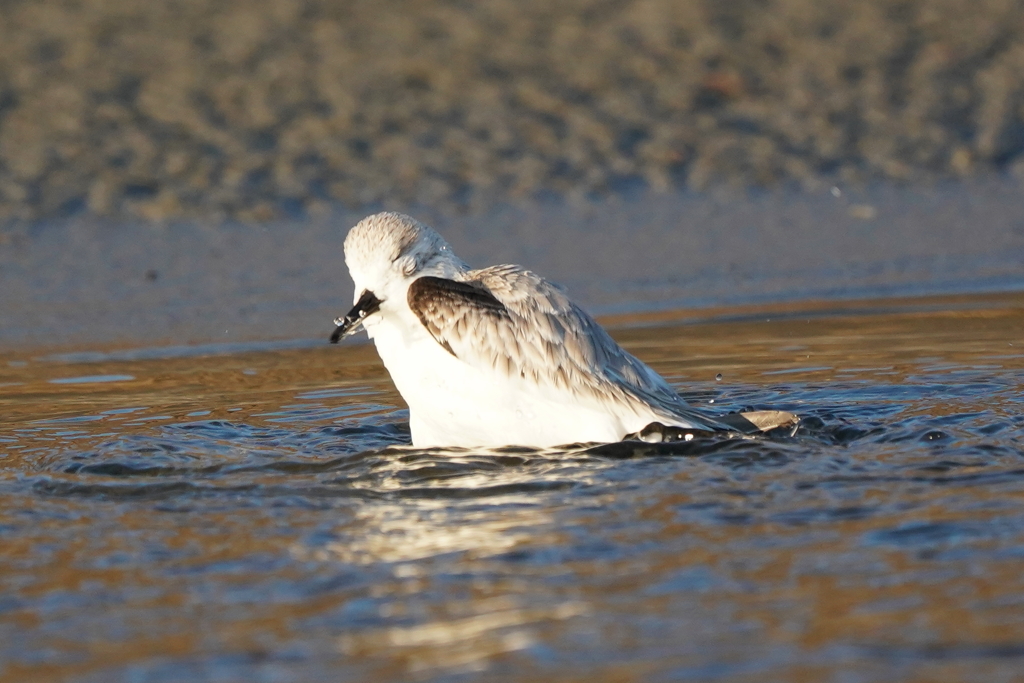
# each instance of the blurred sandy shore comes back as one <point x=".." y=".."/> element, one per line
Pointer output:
<point x="265" y="109"/>
<point x="84" y="283"/>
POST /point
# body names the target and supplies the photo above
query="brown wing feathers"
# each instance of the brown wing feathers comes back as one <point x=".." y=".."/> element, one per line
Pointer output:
<point x="440" y="303"/>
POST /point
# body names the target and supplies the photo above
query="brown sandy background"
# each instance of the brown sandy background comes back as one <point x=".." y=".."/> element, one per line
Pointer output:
<point x="286" y="108"/>
<point x="184" y="172"/>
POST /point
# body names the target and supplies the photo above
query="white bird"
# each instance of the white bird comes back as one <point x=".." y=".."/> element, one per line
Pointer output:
<point x="498" y="356"/>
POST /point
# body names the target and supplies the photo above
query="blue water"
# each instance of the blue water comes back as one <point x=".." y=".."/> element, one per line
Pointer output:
<point x="258" y="516"/>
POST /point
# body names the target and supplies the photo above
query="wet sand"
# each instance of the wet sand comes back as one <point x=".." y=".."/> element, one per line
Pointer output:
<point x="85" y="283"/>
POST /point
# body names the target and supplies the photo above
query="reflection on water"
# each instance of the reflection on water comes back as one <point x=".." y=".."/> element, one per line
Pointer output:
<point x="258" y="516"/>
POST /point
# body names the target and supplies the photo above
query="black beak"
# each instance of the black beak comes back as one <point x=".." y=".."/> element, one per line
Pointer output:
<point x="368" y="303"/>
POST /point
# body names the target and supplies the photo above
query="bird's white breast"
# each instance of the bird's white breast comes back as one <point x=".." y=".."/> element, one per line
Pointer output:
<point x="452" y="403"/>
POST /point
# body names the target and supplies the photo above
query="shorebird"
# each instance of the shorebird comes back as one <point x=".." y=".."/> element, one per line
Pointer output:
<point x="500" y="356"/>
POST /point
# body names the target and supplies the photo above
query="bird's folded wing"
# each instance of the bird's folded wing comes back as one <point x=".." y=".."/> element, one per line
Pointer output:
<point x="449" y="309"/>
<point x="519" y="324"/>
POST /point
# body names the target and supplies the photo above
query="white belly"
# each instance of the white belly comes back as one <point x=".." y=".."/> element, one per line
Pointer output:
<point x="454" y="404"/>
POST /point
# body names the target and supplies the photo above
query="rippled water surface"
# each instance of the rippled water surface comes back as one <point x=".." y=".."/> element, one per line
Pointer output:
<point x="256" y="516"/>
